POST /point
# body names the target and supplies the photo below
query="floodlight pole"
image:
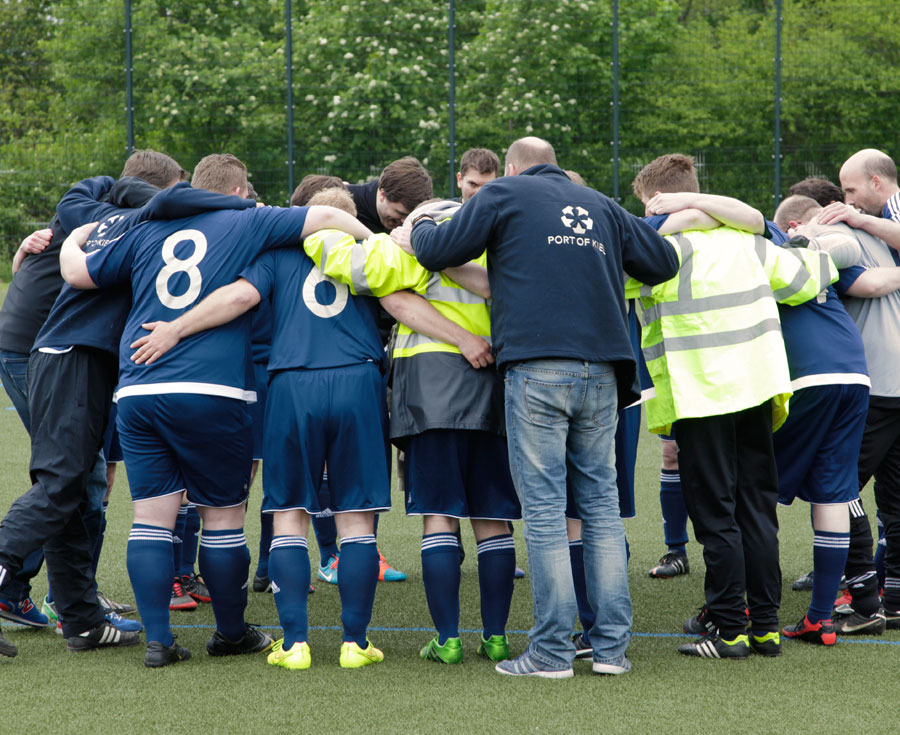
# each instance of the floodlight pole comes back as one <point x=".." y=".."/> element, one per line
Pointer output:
<point x="777" y="154"/>
<point x="452" y="111"/>
<point x="289" y="105"/>
<point x="615" y="100"/>
<point x="129" y="82"/>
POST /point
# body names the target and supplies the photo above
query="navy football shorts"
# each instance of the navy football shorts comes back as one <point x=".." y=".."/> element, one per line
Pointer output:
<point x="461" y="474"/>
<point x="817" y="448"/>
<point x="333" y="415"/>
<point x="187" y="441"/>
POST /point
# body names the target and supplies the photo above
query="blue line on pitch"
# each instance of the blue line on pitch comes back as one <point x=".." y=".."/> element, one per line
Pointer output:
<point x="388" y="629"/>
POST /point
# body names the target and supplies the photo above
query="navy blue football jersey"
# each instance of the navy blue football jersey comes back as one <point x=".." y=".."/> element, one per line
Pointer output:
<point x="318" y="322"/>
<point x="173" y="265"/>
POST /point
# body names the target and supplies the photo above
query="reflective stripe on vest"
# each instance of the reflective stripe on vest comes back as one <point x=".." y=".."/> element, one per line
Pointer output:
<point x="451" y="294"/>
<point x="333" y="238"/>
<point x="411" y="340"/>
<point x="716" y="339"/>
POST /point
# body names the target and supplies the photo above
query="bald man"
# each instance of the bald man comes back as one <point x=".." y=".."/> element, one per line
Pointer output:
<point x="871" y="196"/>
<point x="555" y="253"/>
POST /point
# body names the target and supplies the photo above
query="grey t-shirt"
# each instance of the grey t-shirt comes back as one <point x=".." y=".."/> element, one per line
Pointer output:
<point x="878" y="319"/>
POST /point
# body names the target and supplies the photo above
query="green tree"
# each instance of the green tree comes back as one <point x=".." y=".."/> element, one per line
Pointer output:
<point x="370" y="85"/>
<point x="555" y="78"/>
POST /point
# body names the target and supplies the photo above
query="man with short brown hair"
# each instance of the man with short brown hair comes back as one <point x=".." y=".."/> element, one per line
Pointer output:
<point x="71" y="376"/>
<point x="822" y="190"/>
<point x="221" y="172"/>
<point x="476" y="167"/>
<point x="312" y="184"/>
<point x="384" y="202"/>
<point x="155" y="168"/>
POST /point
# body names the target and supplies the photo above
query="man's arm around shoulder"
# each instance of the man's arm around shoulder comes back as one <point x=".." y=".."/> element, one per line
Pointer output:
<point x="220" y="307"/>
<point x="73" y="260"/>
<point x="646" y="255"/>
<point x="460" y="240"/>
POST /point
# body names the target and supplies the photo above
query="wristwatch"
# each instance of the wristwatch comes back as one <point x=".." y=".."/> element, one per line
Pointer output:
<point x="420" y="217"/>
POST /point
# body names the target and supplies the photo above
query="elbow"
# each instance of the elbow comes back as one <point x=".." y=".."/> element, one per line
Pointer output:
<point x="243" y="296"/>
<point x="245" y="300"/>
<point x="395" y="305"/>
<point x="75" y="274"/>
<point x="865" y="291"/>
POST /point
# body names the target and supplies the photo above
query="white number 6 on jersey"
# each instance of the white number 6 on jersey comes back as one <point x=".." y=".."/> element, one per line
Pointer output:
<point x="326" y="311"/>
<point x="177" y="265"/>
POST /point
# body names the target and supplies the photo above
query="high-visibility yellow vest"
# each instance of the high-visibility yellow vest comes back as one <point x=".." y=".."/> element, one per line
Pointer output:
<point x="377" y="267"/>
<point x="712" y="336"/>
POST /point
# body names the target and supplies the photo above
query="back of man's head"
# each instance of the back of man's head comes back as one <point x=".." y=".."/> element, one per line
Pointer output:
<point x="822" y="190"/>
<point x="671" y="173"/>
<point x="576" y="177"/>
<point x="527" y="152"/>
<point x="406" y="182"/>
<point x="154" y="168"/>
<point x="333" y="196"/>
<point x="482" y="160"/>
<point x="311" y="184"/>
<point x="873" y="162"/>
<point x="794" y="210"/>
<point x="222" y="173"/>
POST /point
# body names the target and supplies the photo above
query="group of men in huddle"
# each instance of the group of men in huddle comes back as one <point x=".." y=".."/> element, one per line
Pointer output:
<point x="490" y="343"/>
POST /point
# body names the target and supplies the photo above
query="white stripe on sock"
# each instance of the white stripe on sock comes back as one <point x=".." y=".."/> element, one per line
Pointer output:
<point x="495" y="545"/>
<point x="367" y="539"/>
<point x="434" y="541"/>
<point x="288" y="541"/>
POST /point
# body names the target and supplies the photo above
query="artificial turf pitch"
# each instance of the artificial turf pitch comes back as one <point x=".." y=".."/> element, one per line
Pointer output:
<point x="853" y="686"/>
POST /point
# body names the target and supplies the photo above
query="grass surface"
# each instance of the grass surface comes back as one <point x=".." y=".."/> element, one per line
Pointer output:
<point x="808" y="690"/>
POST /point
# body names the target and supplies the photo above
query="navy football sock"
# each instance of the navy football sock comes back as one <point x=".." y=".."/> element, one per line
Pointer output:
<point x="265" y="543"/>
<point x="674" y="512"/>
<point x="224" y="561"/>
<point x="178" y="539"/>
<point x="585" y="612"/>
<point x="289" y="572"/>
<point x="829" y="557"/>
<point x="441" y="575"/>
<point x="190" y="540"/>
<point x="356" y="585"/>
<point x="151" y="569"/>
<point x="496" y="574"/>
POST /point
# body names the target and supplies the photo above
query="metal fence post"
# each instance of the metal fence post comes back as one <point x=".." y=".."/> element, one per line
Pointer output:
<point x="778" y="23"/>
<point x="289" y="105"/>
<point x="615" y="100"/>
<point x="129" y="82"/>
<point x="452" y="101"/>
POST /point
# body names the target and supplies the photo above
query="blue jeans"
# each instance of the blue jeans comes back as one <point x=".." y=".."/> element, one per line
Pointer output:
<point x="13" y="374"/>
<point x="561" y="424"/>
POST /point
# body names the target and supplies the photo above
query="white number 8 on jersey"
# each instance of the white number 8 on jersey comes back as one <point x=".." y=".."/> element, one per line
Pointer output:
<point x="177" y="265"/>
